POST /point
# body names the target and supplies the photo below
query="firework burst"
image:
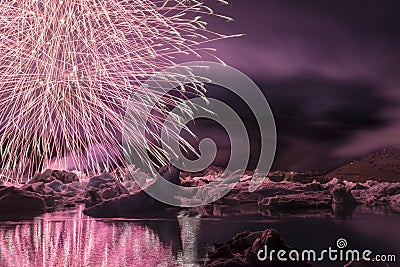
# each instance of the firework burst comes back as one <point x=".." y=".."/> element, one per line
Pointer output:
<point x="67" y="69"/>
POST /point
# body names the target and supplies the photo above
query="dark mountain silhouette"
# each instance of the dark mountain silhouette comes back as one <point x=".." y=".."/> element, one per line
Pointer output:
<point x="382" y="165"/>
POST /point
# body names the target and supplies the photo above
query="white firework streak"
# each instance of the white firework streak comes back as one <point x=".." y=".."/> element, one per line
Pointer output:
<point x="68" y="68"/>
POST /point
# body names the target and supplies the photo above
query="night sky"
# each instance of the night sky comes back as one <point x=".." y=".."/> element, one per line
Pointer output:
<point x="329" y="69"/>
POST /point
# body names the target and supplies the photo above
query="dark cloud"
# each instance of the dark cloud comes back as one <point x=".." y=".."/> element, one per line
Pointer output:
<point x="313" y="116"/>
<point x="330" y="69"/>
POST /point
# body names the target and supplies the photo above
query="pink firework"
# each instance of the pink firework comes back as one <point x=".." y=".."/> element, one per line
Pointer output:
<point x="68" y="68"/>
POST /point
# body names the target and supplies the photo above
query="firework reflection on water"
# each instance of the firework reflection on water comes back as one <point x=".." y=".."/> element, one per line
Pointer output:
<point x="78" y="240"/>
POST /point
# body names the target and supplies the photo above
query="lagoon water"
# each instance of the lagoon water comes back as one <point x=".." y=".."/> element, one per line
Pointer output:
<point x="69" y="238"/>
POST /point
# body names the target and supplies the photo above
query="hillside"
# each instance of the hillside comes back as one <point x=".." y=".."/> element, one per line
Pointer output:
<point x="383" y="165"/>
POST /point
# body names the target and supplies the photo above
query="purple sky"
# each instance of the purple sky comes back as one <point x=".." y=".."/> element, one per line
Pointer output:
<point x="330" y="70"/>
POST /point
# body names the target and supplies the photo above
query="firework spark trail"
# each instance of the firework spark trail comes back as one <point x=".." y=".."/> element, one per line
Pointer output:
<point x="68" y="68"/>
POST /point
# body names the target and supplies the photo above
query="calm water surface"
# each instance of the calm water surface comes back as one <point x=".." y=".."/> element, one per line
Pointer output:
<point x="69" y="238"/>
